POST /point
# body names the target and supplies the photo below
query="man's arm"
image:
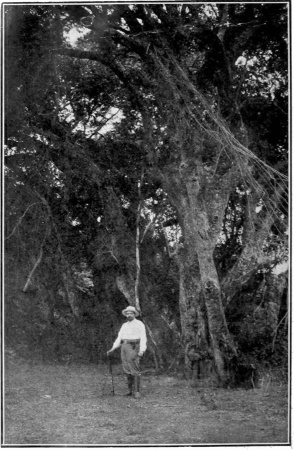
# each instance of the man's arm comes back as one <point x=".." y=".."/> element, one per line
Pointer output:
<point x="143" y="339"/>
<point x="116" y="343"/>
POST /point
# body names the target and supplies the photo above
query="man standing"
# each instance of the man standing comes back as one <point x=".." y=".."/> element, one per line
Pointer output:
<point x="133" y="342"/>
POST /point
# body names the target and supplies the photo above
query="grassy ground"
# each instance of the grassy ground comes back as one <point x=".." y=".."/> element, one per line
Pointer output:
<point x="73" y="405"/>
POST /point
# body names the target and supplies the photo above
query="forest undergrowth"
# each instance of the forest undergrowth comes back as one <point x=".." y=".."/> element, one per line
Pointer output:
<point x="50" y="404"/>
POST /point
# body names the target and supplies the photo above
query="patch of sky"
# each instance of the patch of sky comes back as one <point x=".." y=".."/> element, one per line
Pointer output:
<point x="74" y="34"/>
<point x="124" y="24"/>
<point x="280" y="268"/>
<point x="113" y="116"/>
<point x="125" y="202"/>
<point x="95" y="125"/>
<point x="40" y="138"/>
<point x="56" y="174"/>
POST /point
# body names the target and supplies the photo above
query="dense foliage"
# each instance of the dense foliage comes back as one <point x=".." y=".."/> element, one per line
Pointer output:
<point x="167" y="119"/>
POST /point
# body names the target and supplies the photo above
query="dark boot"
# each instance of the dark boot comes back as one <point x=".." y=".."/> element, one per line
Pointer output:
<point x="130" y="384"/>
<point x="137" y="386"/>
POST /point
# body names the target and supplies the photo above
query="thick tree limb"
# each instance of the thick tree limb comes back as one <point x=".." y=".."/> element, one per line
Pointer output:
<point x="93" y="56"/>
<point x="125" y="286"/>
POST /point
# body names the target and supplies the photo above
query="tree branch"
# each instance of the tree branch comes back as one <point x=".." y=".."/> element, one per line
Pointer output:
<point x="152" y="220"/>
<point x="36" y="264"/>
<point x="223" y="22"/>
<point x="66" y="272"/>
<point x="93" y="56"/>
<point x="20" y="220"/>
<point x="138" y="242"/>
<point x="276" y="331"/>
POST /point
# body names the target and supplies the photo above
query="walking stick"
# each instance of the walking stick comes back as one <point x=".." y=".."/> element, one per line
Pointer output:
<point x="111" y="373"/>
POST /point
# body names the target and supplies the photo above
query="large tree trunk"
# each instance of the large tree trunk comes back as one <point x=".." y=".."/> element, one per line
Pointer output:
<point x="202" y="294"/>
<point x="201" y="203"/>
<point x="198" y="357"/>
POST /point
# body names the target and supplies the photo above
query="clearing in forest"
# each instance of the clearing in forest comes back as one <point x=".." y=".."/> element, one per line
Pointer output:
<point x="73" y="405"/>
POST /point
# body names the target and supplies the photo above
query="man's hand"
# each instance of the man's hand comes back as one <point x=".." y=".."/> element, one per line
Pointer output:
<point x="109" y="351"/>
<point x="140" y="354"/>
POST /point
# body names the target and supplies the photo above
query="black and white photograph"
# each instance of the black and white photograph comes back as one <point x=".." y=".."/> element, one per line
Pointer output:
<point x="146" y="275"/>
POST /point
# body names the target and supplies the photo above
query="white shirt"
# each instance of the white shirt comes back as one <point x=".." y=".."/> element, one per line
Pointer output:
<point x="135" y="329"/>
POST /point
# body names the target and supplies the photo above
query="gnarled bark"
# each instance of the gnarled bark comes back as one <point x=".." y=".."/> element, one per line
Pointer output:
<point x="193" y="321"/>
<point x="200" y="201"/>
